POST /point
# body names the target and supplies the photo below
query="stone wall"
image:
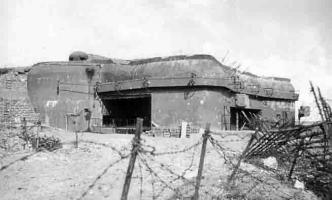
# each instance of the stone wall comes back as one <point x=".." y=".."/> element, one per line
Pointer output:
<point x="14" y="101"/>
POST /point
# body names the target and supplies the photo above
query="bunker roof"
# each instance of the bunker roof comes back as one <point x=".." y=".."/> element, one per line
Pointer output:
<point x="204" y="69"/>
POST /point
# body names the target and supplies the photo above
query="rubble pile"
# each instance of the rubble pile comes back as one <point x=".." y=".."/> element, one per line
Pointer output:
<point x="10" y="140"/>
<point x="34" y="141"/>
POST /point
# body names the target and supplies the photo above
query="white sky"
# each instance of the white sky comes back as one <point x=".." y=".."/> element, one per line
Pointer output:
<point x="273" y="38"/>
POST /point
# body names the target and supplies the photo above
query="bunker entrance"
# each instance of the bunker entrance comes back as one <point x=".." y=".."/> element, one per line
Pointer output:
<point x="121" y="112"/>
<point x="239" y="117"/>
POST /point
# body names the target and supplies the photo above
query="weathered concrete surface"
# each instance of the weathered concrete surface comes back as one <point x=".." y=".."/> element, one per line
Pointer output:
<point x="170" y="81"/>
<point x="207" y="71"/>
<point x="270" y="108"/>
<point x="170" y="108"/>
<point x="74" y="92"/>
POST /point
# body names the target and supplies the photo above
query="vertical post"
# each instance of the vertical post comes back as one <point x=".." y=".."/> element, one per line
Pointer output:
<point x="134" y="152"/>
<point x="295" y="159"/>
<point x="324" y="128"/>
<point x="316" y="100"/>
<point x="240" y="159"/>
<point x="183" y="129"/>
<point x="323" y="103"/>
<point x="224" y="119"/>
<point x="66" y="118"/>
<point x="10" y="106"/>
<point x="76" y="139"/>
<point x="328" y="129"/>
<point x="206" y="136"/>
<point x="37" y="133"/>
<point x="76" y="130"/>
<point x="237" y="120"/>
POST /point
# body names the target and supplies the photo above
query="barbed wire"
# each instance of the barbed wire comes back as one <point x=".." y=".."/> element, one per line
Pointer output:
<point x="179" y="151"/>
<point x="219" y="147"/>
<point x="155" y="174"/>
<point x="220" y="152"/>
<point x="147" y="155"/>
<point x="101" y="175"/>
<point x="191" y="162"/>
<point x="218" y="144"/>
<point x="169" y="170"/>
<point x="141" y="179"/>
<point x="227" y="134"/>
<point x="152" y="184"/>
<point x="263" y="183"/>
<point x="119" y="152"/>
<point x="177" y="175"/>
<point x="230" y="140"/>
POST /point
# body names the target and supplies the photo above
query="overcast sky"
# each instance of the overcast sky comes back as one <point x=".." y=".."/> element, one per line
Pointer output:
<point x="273" y="38"/>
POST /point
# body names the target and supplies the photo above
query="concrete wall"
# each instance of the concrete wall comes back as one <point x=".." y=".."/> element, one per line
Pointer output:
<point x="74" y="94"/>
<point x="170" y="108"/>
<point x="271" y="108"/>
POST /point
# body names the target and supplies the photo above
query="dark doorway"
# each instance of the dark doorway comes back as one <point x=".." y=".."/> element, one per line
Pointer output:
<point x="122" y="111"/>
<point x="239" y="117"/>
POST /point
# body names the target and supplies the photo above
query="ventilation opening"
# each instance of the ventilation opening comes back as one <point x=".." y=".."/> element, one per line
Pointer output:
<point x="121" y="112"/>
<point x="239" y="117"/>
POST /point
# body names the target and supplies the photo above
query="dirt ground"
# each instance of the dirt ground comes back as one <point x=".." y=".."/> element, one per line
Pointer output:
<point x="86" y="172"/>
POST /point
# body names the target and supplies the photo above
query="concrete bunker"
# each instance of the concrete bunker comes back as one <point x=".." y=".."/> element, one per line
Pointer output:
<point x="163" y="91"/>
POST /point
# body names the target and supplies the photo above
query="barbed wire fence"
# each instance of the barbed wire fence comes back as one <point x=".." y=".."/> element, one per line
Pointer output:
<point x="24" y="138"/>
<point x="168" y="182"/>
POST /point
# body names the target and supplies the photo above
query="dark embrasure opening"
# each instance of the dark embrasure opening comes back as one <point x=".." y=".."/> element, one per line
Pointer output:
<point x="123" y="111"/>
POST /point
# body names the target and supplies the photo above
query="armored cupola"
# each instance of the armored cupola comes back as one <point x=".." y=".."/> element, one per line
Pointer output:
<point x="78" y="56"/>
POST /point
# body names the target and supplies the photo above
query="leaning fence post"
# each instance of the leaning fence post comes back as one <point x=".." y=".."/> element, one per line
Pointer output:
<point x="134" y="152"/>
<point x="297" y="154"/>
<point x="206" y="136"/>
<point x="241" y="158"/>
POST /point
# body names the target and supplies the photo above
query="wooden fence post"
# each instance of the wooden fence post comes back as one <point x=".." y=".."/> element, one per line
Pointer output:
<point x="241" y="158"/>
<point x="76" y="139"/>
<point x="201" y="161"/>
<point x="237" y="120"/>
<point x="297" y="154"/>
<point x="66" y="119"/>
<point x="37" y="133"/>
<point x="134" y="152"/>
<point x="75" y="122"/>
